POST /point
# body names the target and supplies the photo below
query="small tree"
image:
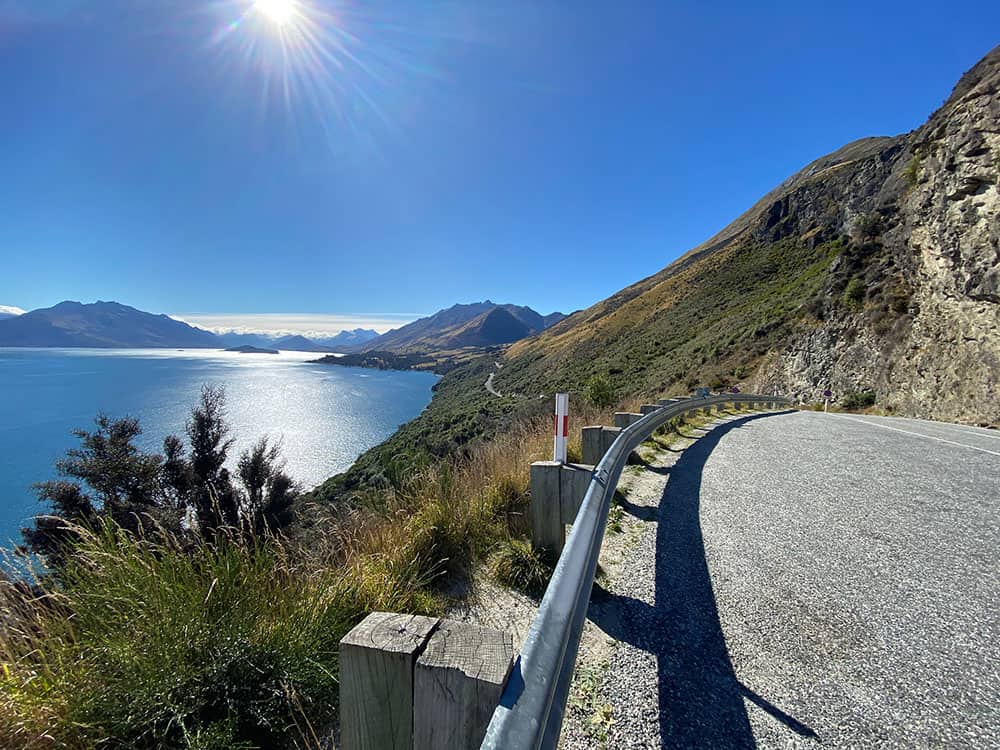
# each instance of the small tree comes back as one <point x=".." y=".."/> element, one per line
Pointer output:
<point x="106" y="476"/>
<point x="109" y="477"/>
<point x="600" y="392"/>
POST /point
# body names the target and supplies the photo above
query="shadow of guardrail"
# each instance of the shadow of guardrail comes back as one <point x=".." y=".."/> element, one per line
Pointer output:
<point x="701" y="700"/>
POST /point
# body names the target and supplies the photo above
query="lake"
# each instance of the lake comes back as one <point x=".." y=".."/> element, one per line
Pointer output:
<point x="325" y="415"/>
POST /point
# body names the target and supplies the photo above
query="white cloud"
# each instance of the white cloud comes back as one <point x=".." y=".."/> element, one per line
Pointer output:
<point x="11" y="310"/>
<point x="305" y="324"/>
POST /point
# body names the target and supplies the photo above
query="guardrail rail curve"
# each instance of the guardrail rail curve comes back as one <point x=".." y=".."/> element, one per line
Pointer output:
<point x="532" y="705"/>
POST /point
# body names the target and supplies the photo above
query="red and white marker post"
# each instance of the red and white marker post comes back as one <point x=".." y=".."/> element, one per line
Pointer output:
<point x="562" y="428"/>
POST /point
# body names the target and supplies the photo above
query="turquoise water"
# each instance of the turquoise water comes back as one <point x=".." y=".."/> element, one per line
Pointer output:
<point x="326" y="416"/>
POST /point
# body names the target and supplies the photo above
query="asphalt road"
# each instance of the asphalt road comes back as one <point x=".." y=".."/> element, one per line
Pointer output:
<point x="814" y="580"/>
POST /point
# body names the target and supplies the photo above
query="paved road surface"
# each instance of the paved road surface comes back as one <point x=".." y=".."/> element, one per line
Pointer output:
<point x="815" y="580"/>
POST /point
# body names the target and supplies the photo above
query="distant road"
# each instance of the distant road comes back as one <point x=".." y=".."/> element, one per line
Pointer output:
<point x="815" y="579"/>
<point x="489" y="385"/>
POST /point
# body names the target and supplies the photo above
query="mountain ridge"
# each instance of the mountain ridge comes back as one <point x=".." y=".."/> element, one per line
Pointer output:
<point x="101" y="325"/>
<point x="476" y="324"/>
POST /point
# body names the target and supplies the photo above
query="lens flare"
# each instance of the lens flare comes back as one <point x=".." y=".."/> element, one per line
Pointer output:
<point x="349" y="75"/>
<point x="280" y="12"/>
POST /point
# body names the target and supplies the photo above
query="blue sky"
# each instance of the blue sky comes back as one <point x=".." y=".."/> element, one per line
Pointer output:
<point x="394" y="158"/>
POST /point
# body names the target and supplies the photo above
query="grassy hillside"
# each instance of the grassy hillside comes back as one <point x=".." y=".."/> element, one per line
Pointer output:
<point x="707" y="324"/>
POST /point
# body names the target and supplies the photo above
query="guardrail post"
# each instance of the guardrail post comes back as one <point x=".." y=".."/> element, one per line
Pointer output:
<point x="574" y="479"/>
<point x="608" y="436"/>
<point x="457" y="684"/>
<point x="547" y="532"/>
<point x="625" y="418"/>
<point x="557" y="490"/>
<point x="376" y="680"/>
<point x="592" y="444"/>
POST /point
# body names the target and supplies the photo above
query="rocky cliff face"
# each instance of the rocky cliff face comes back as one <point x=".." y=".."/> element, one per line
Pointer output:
<point x="925" y="212"/>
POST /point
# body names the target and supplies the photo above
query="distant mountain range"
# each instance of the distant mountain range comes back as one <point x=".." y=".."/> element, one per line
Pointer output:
<point x="343" y="341"/>
<point x="479" y="324"/>
<point x="101" y="324"/>
<point x="113" y="325"/>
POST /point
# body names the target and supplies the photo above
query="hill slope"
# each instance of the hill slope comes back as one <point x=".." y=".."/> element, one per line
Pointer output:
<point x="875" y="267"/>
<point x="101" y="324"/>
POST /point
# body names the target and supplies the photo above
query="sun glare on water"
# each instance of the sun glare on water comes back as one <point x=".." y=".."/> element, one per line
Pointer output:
<point x="280" y="12"/>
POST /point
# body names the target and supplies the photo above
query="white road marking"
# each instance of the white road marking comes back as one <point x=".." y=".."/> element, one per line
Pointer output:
<point x="918" y="434"/>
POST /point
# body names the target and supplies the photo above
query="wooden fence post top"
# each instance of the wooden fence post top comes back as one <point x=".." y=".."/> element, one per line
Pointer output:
<point x="546" y="463"/>
<point x="478" y="652"/>
<point x="387" y="631"/>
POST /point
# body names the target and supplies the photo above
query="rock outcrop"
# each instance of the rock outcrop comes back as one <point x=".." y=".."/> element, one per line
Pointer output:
<point x="928" y="204"/>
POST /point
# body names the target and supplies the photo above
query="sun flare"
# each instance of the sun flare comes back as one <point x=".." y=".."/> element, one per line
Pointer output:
<point x="280" y="12"/>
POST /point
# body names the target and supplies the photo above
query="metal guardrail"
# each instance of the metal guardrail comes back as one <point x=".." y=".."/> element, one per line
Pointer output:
<point x="531" y="708"/>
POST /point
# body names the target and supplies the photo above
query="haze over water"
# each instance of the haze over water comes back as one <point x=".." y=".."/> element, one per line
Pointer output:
<point x="324" y="415"/>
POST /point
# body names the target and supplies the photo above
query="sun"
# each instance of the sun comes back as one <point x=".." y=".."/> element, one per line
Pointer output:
<point x="280" y="12"/>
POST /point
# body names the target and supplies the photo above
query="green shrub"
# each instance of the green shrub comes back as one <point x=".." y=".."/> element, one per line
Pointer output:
<point x="519" y="567"/>
<point x="600" y="392"/>
<point x="858" y="400"/>
<point x="911" y="173"/>
<point x="854" y="293"/>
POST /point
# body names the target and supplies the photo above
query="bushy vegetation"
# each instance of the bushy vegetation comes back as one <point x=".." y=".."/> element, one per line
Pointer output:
<point x="521" y="568"/>
<point x="148" y="637"/>
<point x="600" y="391"/>
<point x="858" y="400"/>
<point x="854" y="293"/>
<point x="185" y="490"/>
<point x="911" y="172"/>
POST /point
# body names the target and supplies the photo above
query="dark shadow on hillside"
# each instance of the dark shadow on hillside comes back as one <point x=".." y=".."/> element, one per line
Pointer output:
<point x="700" y="698"/>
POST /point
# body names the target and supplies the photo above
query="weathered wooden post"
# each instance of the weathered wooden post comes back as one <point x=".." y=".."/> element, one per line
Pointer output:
<point x="574" y="479"/>
<point x="625" y="418"/>
<point x="557" y="490"/>
<point x="592" y="446"/>
<point x="376" y="680"/>
<point x="419" y="683"/>
<point x="457" y="684"/>
<point x="547" y="532"/>
<point x="608" y="437"/>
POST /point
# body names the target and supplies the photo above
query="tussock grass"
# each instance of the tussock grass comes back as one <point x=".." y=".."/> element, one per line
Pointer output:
<point x="519" y="567"/>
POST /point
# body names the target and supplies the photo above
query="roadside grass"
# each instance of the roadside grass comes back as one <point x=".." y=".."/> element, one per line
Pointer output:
<point x="234" y="644"/>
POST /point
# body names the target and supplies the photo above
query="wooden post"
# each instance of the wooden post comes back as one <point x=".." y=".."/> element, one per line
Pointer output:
<point x="376" y="680"/>
<point x="457" y="684"/>
<point x="608" y="437"/>
<point x="547" y="532"/>
<point x="592" y="445"/>
<point x="574" y="479"/>
<point x="624" y="418"/>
